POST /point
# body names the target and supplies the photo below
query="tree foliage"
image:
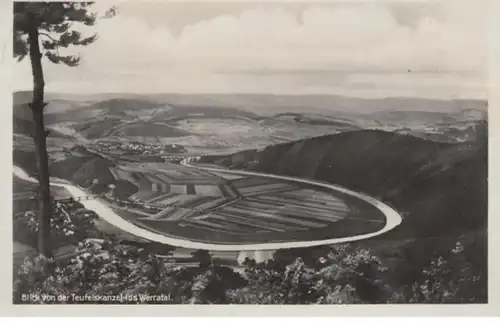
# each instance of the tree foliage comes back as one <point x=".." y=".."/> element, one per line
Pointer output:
<point x="345" y="275"/>
<point x="457" y="274"/>
<point x="69" y="224"/>
<point x="100" y="270"/>
<point x="57" y="24"/>
<point x="202" y="257"/>
<point x="116" y="273"/>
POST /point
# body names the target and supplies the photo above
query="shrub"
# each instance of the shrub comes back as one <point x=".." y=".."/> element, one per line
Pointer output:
<point x="69" y="225"/>
<point x="101" y="273"/>
<point x="114" y="273"/>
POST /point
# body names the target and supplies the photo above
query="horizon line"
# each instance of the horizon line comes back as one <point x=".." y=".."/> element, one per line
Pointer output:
<point x="484" y="99"/>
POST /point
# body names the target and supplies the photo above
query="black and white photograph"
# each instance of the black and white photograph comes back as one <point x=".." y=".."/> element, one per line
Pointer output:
<point x="256" y="153"/>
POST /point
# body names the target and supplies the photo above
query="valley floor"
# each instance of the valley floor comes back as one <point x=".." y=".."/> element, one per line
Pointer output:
<point x="218" y="209"/>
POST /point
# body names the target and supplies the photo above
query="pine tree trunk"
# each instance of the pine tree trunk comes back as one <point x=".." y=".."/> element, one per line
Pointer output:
<point x="37" y="106"/>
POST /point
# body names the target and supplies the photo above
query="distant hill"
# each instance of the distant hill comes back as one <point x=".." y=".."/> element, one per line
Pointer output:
<point x="22" y="126"/>
<point x="27" y="127"/>
<point x="96" y="128"/>
<point x="25" y="160"/>
<point x="81" y="169"/>
<point x="145" y="129"/>
<point x="117" y="106"/>
<point x="123" y="109"/>
<point x="273" y="118"/>
<point x="23" y="97"/>
<point x="341" y="124"/>
<point x="23" y="120"/>
<point x="179" y="112"/>
<point x="439" y="187"/>
<point x="268" y="104"/>
<point x="261" y="103"/>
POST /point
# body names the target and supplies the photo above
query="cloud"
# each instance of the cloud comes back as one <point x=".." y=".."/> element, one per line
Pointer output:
<point x="360" y="37"/>
<point x="344" y="37"/>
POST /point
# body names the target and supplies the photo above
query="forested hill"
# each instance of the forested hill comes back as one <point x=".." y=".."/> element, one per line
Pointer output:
<point x="438" y="187"/>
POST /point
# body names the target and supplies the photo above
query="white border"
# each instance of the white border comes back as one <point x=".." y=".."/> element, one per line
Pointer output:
<point x="370" y="311"/>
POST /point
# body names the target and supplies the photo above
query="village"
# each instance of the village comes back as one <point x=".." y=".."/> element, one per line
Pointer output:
<point x="138" y="148"/>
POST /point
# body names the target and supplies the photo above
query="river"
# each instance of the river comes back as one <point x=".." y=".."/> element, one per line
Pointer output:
<point x="104" y="211"/>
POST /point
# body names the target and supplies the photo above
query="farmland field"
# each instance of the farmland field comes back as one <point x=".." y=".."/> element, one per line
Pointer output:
<point x="188" y="203"/>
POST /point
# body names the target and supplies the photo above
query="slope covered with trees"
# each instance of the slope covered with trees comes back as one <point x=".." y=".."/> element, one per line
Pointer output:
<point x="439" y="187"/>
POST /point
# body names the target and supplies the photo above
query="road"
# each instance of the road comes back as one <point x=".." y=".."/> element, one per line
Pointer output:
<point x="105" y="212"/>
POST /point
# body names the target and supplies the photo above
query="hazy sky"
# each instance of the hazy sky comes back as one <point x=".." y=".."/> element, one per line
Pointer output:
<point x="351" y="48"/>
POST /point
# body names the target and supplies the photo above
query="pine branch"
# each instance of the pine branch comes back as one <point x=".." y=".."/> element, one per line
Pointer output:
<point x="54" y="21"/>
<point x="69" y="60"/>
<point x="48" y="45"/>
<point x="48" y="36"/>
<point x="75" y="38"/>
<point x="62" y="28"/>
<point x="81" y="15"/>
<point x="67" y="39"/>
